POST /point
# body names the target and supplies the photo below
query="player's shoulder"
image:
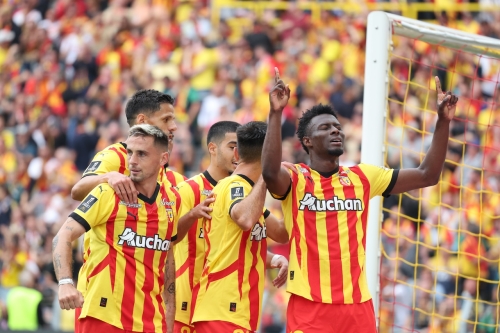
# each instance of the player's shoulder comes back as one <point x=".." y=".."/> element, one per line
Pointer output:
<point x="366" y="167"/>
<point x="112" y="150"/>
<point x="175" y="174"/>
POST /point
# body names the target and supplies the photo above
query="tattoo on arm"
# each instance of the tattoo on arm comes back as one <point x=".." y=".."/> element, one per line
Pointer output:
<point x="69" y="228"/>
<point x="57" y="263"/>
<point x="171" y="288"/>
<point x="54" y="242"/>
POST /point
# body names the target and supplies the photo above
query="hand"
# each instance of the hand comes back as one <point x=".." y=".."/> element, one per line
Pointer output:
<point x="70" y="297"/>
<point x="280" y="94"/>
<point x="281" y="263"/>
<point x="203" y="209"/>
<point x="290" y="166"/>
<point x="446" y="102"/>
<point x="123" y="186"/>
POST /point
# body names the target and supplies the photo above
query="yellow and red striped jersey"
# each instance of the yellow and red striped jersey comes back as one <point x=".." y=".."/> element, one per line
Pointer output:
<point x="114" y="158"/>
<point x="232" y="282"/>
<point x="190" y="251"/>
<point x="125" y="253"/>
<point x="326" y="220"/>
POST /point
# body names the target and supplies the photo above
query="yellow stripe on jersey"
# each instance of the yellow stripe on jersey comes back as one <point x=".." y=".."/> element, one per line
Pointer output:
<point x="232" y="283"/>
<point x="125" y="255"/>
<point x="326" y="219"/>
<point x="190" y="251"/>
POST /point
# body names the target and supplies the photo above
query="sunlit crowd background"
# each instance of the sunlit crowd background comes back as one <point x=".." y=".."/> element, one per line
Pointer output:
<point x="67" y="68"/>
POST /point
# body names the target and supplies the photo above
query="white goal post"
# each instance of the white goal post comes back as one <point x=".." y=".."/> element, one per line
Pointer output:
<point x="381" y="27"/>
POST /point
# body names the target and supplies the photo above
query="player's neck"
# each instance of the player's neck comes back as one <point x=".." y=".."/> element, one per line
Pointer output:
<point x="324" y="165"/>
<point x="147" y="187"/>
<point x="251" y="170"/>
<point x="217" y="173"/>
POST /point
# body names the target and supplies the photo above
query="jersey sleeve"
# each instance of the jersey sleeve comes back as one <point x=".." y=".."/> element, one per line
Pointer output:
<point x="235" y="193"/>
<point x="106" y="161"/>
<point x="187" y="202"/>
<point x="382" y="180"/>
<point x="96" y="208"/>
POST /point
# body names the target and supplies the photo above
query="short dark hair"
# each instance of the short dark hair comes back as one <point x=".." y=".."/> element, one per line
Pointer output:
<point x="146" y="101"/>
<point x="146" y="130"/>
<point x="305" y="120"/>
<point x="250" y="140"/>
<point x="218" y="131"/>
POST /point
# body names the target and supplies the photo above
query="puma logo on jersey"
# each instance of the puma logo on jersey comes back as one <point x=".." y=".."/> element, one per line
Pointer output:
<point x="153" y="243"/>
<point x="320" y="205"/>
<point x="258" y="232"/>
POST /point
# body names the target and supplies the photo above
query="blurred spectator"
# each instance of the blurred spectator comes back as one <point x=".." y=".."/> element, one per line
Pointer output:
<point x="24" y="310"/>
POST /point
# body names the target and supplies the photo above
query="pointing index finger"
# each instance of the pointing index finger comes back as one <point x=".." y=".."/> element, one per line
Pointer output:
<point x="276" y="74"/>
<point x="438" y="85"/>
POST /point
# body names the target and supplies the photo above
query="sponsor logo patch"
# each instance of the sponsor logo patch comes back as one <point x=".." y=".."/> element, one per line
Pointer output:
<point x="87" y="203"/>
<point x="237" y="192"/>
<point x="130" y="238"/>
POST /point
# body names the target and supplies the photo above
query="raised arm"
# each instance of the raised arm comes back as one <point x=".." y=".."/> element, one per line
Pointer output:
<point x="276" y="177"/>
<point x="248" y="211"/>
<point x="69" y="296"/>
<point x="429" y="171"/>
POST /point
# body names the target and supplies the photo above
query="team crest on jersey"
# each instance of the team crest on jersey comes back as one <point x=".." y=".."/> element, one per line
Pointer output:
<point x="130" y="238"/>
<point x="170" y="215"/>
<point x="93" y="166"/>
<point x="344" y="178"/>
<point x="335" y="204"/>
<point x="259" y="232"/>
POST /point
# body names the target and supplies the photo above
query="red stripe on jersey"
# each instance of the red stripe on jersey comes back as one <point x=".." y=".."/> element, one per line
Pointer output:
<point x="311" y="235"/>
<point x="171" y="178"/>
<point x="366" y="199"/>
<point x="241" y="255"/>
<point x="193" y="234"/>
<point x="194" y="297"/>
<point x="99" y="267"/>
<point x="223" y="273"/>
<point x="148" y="311"/>
<point x="163" y="258"/>
<point x="352" y="221"/>
<point x="128" y="298"/>
<point x="110" y="235"/>
<point x="253" y="280"/>
<point x="332" y="234"/>
<point x="123" y="165"/>
<point x="296" y="231"/>
<point x="207" y="226"/>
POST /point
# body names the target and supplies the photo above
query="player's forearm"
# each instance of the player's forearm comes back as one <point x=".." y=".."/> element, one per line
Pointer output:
<point x="85" y="185"/>
<point x="169" y="291"/>
<point x="184" y="224"/>
<point x="62" y="255"/>
<point x="249" y="210"/>
<point x="433" y="162"/>
<point x="271" y="150"/>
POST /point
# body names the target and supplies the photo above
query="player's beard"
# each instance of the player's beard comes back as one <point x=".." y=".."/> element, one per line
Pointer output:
<point x="336" y="151"/>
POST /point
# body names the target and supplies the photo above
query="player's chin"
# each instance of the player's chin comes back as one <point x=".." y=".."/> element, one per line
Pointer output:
<point x="336" y="151"/>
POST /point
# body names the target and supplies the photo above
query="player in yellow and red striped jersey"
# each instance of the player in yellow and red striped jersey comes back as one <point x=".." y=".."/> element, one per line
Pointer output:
<point x="110" y="165"/>
<point x="228" y="297"/>
<point x="123" y="278"/>
<point x="326" y="208"/>
<point x="190" y="251"/>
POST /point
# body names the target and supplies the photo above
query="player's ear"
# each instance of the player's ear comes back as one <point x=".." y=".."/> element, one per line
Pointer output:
<point x="236" y="154"/>
<point x="140" y="119"/>
<point x="306" y="141"/>
<point x="211" y="148"/>
<point x="164" y="158"/>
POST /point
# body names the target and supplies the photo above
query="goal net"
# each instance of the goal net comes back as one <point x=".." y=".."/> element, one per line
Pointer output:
<point x="433" y="254"/>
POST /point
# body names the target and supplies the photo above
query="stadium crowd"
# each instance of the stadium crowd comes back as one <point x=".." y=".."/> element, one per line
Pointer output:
<point x="68" y="67"/>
